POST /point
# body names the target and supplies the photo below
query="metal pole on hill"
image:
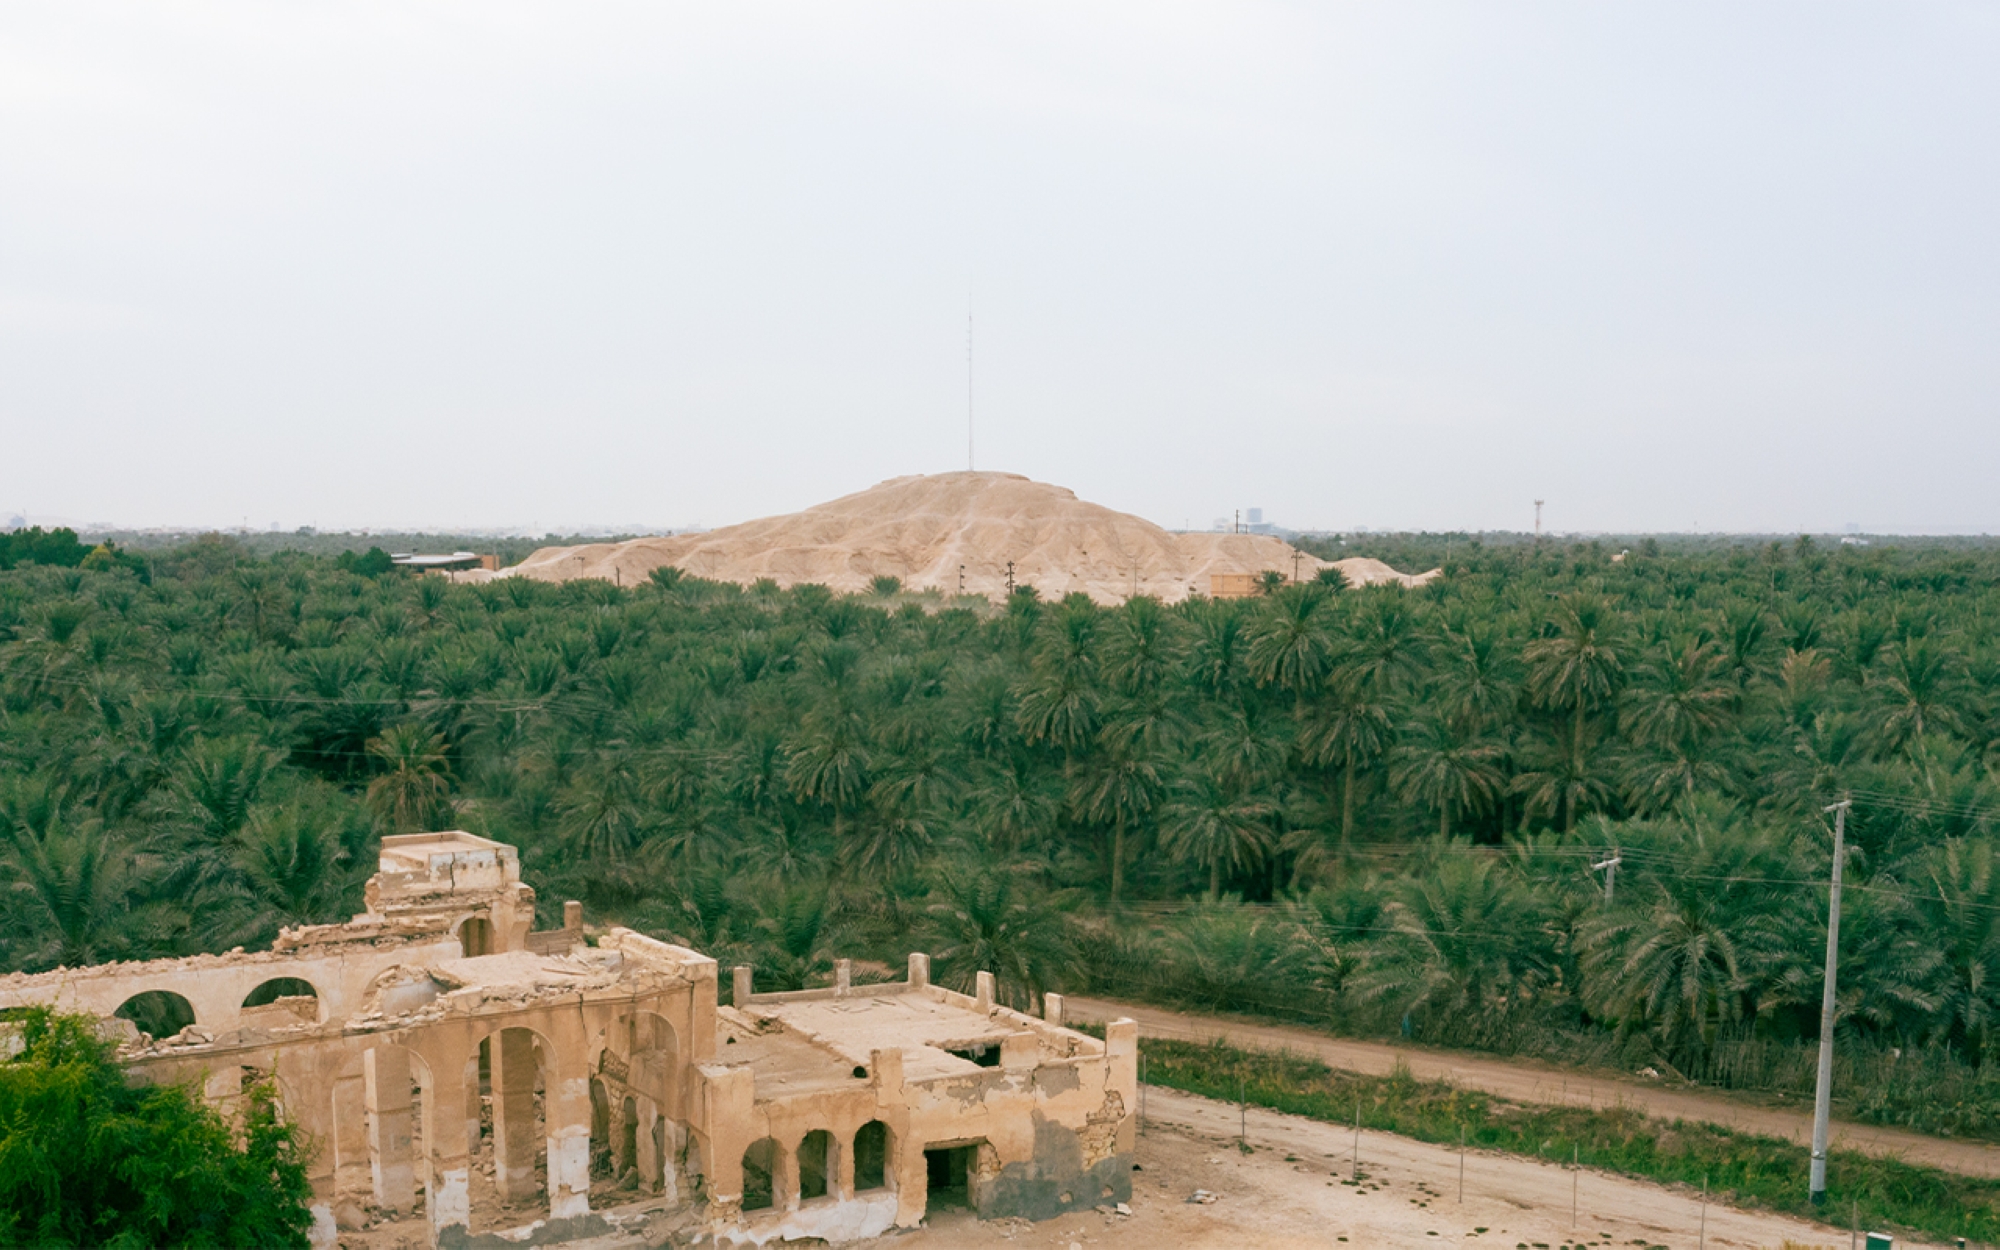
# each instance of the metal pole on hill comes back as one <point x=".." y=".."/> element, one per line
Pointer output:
<point x="1823" y="1093"/>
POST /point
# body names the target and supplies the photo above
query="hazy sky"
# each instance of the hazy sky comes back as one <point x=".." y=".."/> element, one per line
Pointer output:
<point x="1402" y="265"/>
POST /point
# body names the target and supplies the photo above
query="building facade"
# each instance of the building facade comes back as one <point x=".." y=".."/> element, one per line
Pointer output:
<point x="446" y="1061"/>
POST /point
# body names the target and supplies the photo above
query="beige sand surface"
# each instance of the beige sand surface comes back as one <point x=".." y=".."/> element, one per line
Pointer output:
<point x="1296" y="1188"/>
<point x="945" y="531"/>
<point x="1292" y="1191"/>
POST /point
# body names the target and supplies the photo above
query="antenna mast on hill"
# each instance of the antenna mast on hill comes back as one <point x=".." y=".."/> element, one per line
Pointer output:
<point x="968" y="387"/>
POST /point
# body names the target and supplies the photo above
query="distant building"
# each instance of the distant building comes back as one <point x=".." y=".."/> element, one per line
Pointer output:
<point x="1234" y="585"/>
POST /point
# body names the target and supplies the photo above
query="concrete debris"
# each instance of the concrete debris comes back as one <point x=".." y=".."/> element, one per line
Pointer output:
<point x="1204" y="1197"/>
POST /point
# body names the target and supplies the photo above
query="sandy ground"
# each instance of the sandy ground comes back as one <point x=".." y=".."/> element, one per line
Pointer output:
<point x="954" y="533"/>
<point x="1531" y="1082"/>
<point x="1295" y="1189"/>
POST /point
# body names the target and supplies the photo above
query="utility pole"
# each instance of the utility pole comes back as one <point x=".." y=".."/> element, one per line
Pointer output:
<point x="968" y="388"/>
<point x="1295" y="563"/>
<point x="1538" y="520"/>
<point x="1238" y="527"/>
<point x="1823" y="1093"/>
<point x="1610" y="870"/>
<point x="1010" y="579"/>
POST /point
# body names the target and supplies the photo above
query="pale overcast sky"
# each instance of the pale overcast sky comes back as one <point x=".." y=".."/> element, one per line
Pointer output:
<point x="1403" y="265"/>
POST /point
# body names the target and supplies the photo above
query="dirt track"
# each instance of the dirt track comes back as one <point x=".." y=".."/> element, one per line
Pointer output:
<point x="1530" y="1082"/>
<point x="1294" y="1189"/>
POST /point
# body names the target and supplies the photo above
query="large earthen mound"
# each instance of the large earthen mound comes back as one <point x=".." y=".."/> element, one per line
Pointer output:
<point x="953" y="531"/>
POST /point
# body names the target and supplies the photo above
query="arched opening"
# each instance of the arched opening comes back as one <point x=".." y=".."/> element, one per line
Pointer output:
<point x="694" y="1179"/>
<point x="815" y="1165"/>
<point x="636" y="1061"/>
<point x="401" y="1121"/>
<point x="507" y="1129"/>
<point x="600" y="1133"/>
<point x="158" y="1013"/>
<point x="628" y="1141"/>
<point x="282" y="1001"/>
<point x="871" y="1156"/>
<point x="475" y="937"/>
<point x="760" y="1168"/>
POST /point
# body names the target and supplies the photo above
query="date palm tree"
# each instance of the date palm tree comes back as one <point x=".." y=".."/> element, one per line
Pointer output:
<point x="1348" y="730"/>
<point x="413" y="791"/>
<point x="1436" y="767"/>
<point x="1917" y="688"/>
<point x="1116" y="787"/>
<point x="1696" y="939"/>
<point x="1463" y="940"/>
<point x="78" y="895"/>
<point x="1291" y="646"/>
<point x="1680" y="697"/>
<point x="1216" y="827"/>
<point x="1956" y="899"/>
<point x="991" y="917"/>
<point x="1575" y="669"/>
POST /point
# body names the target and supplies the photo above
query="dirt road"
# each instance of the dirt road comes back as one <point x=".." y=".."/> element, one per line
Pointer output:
<point x="1296" y="1188"/>
<point x="1526" y="1081"/>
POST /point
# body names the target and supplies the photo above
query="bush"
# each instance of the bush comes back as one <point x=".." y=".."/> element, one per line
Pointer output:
<point x="88" y="1160"/>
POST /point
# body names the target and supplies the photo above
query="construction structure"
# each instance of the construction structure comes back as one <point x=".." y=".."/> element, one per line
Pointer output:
<point x="443" y="1059"/>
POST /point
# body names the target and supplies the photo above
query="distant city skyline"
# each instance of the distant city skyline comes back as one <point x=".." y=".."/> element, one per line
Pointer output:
<point x="1412" y="267"/>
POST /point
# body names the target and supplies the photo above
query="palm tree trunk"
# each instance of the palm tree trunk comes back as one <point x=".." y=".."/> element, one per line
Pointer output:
<point x="1444" y="822"/>
<point x="1117" y="859"/>
<point x="1214" y="879"/>
<point x="1575" y="770"/>
<point x="1347" y="808"/>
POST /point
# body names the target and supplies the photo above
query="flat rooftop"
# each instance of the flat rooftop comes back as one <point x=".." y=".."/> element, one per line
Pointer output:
<point x="416" y="852"/>
<point x="818" y="1041"/>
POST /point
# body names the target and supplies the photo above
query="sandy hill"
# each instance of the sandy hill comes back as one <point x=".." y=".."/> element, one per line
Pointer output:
<point x="945" y="530"/>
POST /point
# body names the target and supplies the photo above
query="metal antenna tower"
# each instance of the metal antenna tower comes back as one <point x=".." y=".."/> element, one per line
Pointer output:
<point x="968" y="386"/>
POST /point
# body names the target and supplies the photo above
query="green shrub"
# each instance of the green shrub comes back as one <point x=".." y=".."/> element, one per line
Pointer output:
<point x="88" y="1160"/>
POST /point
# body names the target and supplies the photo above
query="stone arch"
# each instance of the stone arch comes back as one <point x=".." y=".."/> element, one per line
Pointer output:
<point x="642" y="1051"/>
<point x="760" y="1175"/>
<point x="693" y="1170"/>
<point x="874" y="1157"/>
<point x="161" y="1013"/>
<point x="282" y="1001"/>
<point x="636" y="1057"/>
<point x="516" y="1067"/>
<point x="817" y="1165"/>
<point x="476" y="937"/>
<point x="403" y="1121"/>
<point x="600" y="1131"/>
<point x="626" y="1148"/>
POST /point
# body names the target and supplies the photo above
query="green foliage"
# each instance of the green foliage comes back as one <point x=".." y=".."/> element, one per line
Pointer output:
<point x="371" y="563"/>
<point x="1739" y="1168"/>
<point x="1370" y="807"/>
<point x="88" y="1160"/>
<point x="57" y="548"/>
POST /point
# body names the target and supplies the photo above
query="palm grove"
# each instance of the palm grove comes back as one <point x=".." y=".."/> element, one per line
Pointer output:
<point x="1374" y="809"/>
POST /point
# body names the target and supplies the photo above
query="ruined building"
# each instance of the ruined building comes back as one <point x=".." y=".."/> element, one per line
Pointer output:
<point x="444" y="1058"/>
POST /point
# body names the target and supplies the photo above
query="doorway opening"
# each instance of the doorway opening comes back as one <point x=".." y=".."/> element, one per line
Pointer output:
<point x="949" y="1171"/>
